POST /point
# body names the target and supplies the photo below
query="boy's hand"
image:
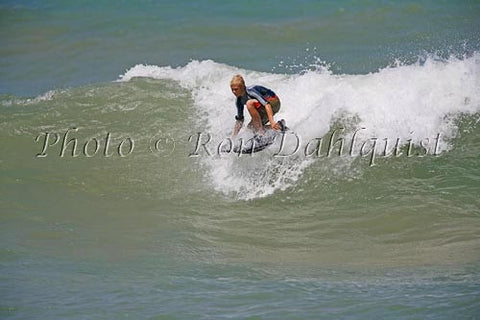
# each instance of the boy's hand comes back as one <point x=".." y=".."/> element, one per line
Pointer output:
<point x="275" y="126"/>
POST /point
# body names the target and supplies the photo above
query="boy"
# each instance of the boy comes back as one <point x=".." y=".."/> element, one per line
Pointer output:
<point x="262" y="103"/>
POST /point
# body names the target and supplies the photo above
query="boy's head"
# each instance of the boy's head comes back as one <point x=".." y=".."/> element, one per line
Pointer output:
<point x="237" y="84"/>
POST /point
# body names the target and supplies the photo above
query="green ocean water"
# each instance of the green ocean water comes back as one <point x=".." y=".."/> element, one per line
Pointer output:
<point x="147" y="227"/>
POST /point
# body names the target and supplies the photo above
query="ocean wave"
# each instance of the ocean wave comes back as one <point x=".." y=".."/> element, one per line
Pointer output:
<point x="399" y="103"/>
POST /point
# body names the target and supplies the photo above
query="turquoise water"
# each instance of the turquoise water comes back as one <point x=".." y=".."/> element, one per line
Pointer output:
<point x="121" y="218"/>
<point x="54" y="44"/>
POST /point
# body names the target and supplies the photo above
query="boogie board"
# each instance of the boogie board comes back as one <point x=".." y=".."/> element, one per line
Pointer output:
<point x="259" y="142"/>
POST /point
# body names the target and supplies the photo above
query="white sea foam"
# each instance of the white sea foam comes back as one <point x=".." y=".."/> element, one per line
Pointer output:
<point x="404" y="102"/>
<point x="47" y="96"/>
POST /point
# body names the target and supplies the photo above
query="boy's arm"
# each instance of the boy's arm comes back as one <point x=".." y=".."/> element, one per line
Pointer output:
<point x="238" y="126"/>
<point x="269" y="110"/>
<point x="239" y="117"/>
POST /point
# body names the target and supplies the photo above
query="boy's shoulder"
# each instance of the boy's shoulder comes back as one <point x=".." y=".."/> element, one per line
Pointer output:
<point x="256" y="88"/>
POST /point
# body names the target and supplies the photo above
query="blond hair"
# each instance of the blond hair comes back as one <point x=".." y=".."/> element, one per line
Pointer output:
<point x="238" y="79"/>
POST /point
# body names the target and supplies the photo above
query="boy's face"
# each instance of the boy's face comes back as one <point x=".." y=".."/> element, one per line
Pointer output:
<point x="237" y="89"/>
